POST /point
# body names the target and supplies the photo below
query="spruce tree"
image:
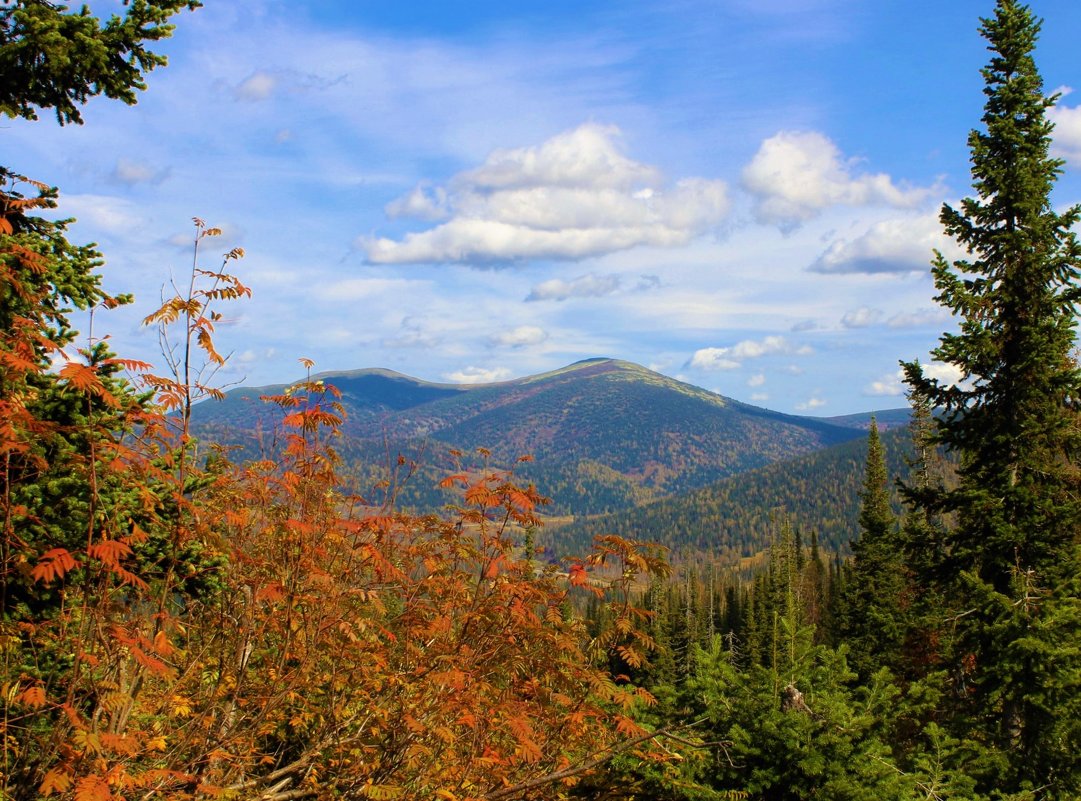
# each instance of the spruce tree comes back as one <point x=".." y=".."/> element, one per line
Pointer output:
<point x="1010" y="558"/>
<point x="871" y="621"/>
<point x="57" y="59"/>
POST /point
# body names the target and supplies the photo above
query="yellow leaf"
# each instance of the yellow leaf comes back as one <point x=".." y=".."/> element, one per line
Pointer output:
<point x="181" y="706"/>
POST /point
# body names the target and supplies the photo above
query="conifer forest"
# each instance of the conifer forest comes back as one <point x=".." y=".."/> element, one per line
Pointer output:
<point x="185" y="619"/>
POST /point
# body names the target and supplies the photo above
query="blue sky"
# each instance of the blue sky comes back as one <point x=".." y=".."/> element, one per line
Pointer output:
<point x="738" y="193"/>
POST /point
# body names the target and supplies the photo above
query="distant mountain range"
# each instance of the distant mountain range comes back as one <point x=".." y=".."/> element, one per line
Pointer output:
<point x="605" y="434"/>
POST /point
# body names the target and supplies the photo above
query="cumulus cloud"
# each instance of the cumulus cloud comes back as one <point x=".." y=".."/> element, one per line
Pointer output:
<point x="584" y="157"/>
<point x="572" y="197"/>
<point x="814" y="402"/>
<point x="759" y="396"/>
<point x="893" y="384"/>
<point x="478" y="375"/>
<point x="1066" y="139"/>
<point x="258" y="86"/>
<point x="732" y="357"/>
<point x="519" y="337"/>
<point x="756" y="380"/>
<point x="891" y="246"/>
<point x="590" y="285"/>
<point x="796" y="174"/>
<point x="713" y="359"/>
<point x="862" y="317"/>
<point x="420" y="205"/>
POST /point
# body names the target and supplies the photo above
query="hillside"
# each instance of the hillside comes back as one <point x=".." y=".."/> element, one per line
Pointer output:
<point x="736" y="516"/>
<point x="605" y="434"/>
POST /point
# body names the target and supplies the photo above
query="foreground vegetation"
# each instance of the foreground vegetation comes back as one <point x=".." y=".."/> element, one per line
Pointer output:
<point x="174" y="624"/>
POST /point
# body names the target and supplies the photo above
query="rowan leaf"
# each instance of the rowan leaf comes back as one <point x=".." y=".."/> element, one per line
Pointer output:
<point x="33" y="697"/>
<point x="110" y="552"/>
<point x="53" y="565"/>
<point x="57" y="780"/>
<point x="93" y="788"/>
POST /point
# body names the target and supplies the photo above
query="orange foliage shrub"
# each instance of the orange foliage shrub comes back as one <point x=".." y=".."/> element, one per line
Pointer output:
<point x="257" y="631"/>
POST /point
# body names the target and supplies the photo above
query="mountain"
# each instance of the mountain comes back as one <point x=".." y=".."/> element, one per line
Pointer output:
<point x="605" y="434"/>
<point x="738" y="516"/>
<point x="885" y="419"/>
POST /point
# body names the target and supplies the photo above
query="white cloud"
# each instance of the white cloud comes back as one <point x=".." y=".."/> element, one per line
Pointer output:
<point x="478" y="375"/>
<point x="258" y="86"/>
<point x="583" y="158"/>
<point x="572" y="197"/>
<point x="796" y="174"/>
<point x="943" y="373"/>
<point x="591" y="285"/>
<point x="732" y="357"/>
<point x="759" y="396"/>
<point x="420" y="205"/>
<point x="917" y="319"/>
<point x="887" y="386"/>
<point x="814" y="402"/>
<point x="756" y="380"/>
<point x="861" y="318"/>
<point x="519" y="337"/>
<point x="893" y="384"/>
<point x="113" y="214"/>
<point x="713" y="359"/>
<point x="891" y="246"/>
<point x="1066" y="139"/>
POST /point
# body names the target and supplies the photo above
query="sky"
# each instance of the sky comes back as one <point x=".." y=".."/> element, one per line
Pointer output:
<point x="741" y="194"/>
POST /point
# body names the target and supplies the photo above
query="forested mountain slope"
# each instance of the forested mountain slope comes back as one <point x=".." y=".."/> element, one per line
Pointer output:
<point x="605" y="434"/>
<point x="739" y="515"/>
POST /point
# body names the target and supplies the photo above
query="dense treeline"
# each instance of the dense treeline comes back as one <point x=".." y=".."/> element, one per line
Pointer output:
<point x="734" y="518"/>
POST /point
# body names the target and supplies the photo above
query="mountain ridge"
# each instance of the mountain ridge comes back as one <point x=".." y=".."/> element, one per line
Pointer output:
<point x="606" y="434"/>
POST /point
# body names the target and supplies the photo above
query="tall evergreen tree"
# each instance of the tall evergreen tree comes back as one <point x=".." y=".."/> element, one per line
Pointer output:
<point x="1011" y="556"/>
<point x="871" y="616"/>
<point x="923" y="546"/>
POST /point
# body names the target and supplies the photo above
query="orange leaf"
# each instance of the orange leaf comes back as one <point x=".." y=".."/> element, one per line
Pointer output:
<point x="57" y="780"/>
<point x="450" y="481"/>
<point x="53" y="565"/>
<point x="110" y="552"/>
<point x="33" y="697"/>
<point x="85" y="379"/>
<point x="92" y="788"/>
<point x="578" y="576"/>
